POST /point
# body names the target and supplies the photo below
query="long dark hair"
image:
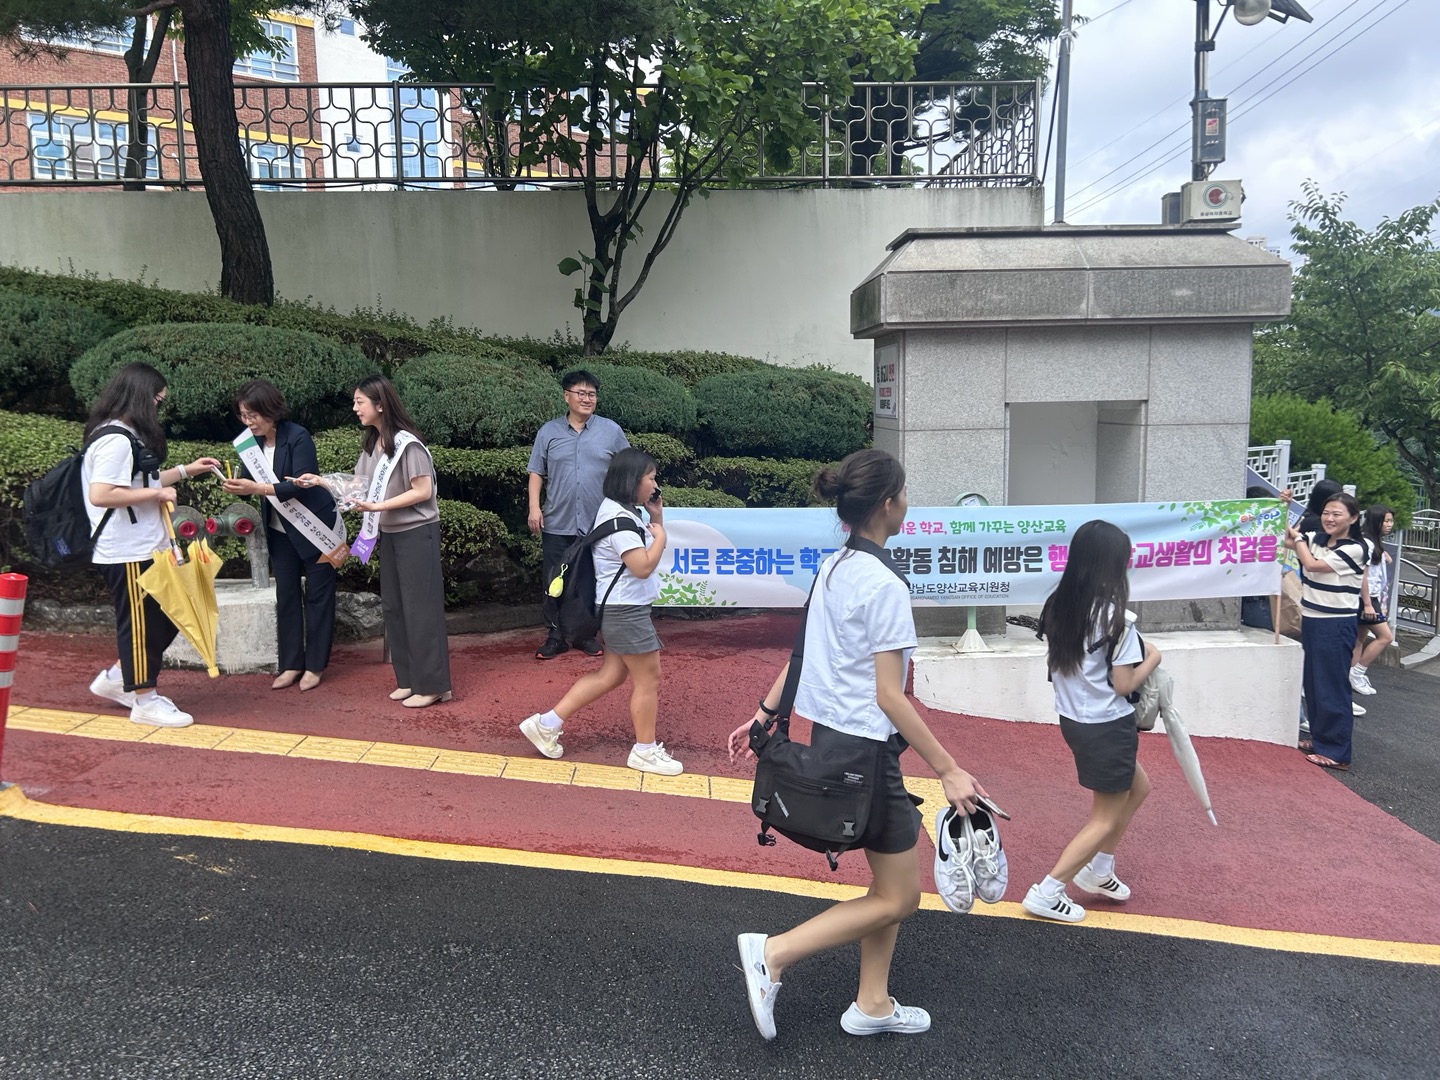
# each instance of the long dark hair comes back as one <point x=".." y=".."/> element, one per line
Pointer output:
<point x="1093" y="589"/>
<point x="393" y="417"/>
<point x="627" y="468"/>
<point x="130" y="396"/>
<point x="859" y="486"/>
<point x="1374" y="530"/>
<point x="1345" y="499"/>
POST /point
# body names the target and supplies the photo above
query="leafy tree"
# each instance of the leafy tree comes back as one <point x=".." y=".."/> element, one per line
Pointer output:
<point x="1363" y="331"/>
<point x="213" y="30"/>
<point x="564" y="86"/>
<point x="1319" y="432"/>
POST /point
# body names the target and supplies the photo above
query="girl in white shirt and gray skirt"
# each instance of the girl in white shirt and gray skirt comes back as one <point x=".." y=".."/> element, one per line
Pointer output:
<point x="1095" y="662"/>
<point x="859" y="635"/>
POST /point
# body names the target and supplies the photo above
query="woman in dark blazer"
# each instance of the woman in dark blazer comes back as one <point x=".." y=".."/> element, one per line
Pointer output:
<point x="305" y="622"/>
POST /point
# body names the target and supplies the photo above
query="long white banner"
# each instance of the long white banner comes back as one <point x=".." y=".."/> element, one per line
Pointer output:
<point x="975" y="555"/>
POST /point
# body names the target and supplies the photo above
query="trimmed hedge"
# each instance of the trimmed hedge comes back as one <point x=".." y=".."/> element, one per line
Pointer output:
<point x="763" y="482"/>
<point x="686" y="366"/>
<point x="642" y="400"/>
<point x="386" y="338"/>
<point x="679" y="496"/>
<point x="205" y="364"/>
<point x="39" y="339"/>
<point x="780" y="412"/>
<point x="671" y="455"/>
<point x="464" y="401"/>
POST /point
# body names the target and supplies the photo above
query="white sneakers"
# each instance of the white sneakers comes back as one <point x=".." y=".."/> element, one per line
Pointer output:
<point x="1356" y="710"/>
<point x="760" y="991"/>
<point x="1059" y="907"/>
<point x="103" y="686"/>
<point x="654" y="760"/>
<point x="156" y="710"/>
<point x="1360" y="682"/>
<point x="159" y="711"/>
<point x="905" y="1020"/>
<point x="1110" y="887"/>
<point x="546" y="740"/>
<point x="969" y="860"/>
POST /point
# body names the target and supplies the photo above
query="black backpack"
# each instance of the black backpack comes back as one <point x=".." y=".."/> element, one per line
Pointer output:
<point x="57" y="525"/>
<point x="574" y="583"/>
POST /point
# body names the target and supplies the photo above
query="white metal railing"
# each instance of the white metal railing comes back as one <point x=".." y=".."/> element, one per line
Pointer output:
<point x="1272" y="463"/>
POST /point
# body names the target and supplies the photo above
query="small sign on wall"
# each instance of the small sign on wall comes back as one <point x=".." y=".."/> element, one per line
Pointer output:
<point x="887" y="386"/>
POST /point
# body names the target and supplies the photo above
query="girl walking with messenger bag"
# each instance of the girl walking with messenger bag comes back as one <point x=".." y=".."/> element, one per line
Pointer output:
<point x="859" y="635"/>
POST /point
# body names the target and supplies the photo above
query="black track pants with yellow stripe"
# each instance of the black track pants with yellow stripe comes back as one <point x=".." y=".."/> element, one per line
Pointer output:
<point x="142" y="630"/>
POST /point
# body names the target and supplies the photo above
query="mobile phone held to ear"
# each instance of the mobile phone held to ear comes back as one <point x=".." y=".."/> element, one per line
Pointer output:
<point x="653" y="498"/>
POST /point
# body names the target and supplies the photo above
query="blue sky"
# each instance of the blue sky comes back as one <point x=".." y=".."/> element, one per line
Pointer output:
<point x="1363" y="119"/>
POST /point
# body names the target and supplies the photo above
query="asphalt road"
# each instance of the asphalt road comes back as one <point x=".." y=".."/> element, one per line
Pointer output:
<point x="150" y="956"/>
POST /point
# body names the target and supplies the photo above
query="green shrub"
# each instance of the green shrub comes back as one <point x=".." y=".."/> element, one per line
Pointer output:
<point x="463" y="401"/>
<point x="1319" y="432"/>
<point x="779" y="412"/>
<point x="671" y="455"/>
<point x="761" y="481"/>
<point x="39" y="339"/>
<point x="206" y="364"/>
<point x="641" y="400"/>
<point x="688" y="367"/>
<point x="386" y="338"/>
<point x="679" y="496"/>
<point x="337" y="450"/>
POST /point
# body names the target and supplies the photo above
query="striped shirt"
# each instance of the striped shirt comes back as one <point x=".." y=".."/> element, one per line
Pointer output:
<point x="1333" y="593"/>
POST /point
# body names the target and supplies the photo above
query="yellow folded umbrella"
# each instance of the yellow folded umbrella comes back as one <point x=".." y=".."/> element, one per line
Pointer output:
<point x="186" y="592"/>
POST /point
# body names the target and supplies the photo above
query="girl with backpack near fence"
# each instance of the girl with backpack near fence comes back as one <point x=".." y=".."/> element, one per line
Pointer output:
<point x="628" y="559"/>
<point x="1374" y="634"/>
<point x="859" y="633"/>
<point x="1095" y="661"/>
<point x="124" y="490"/>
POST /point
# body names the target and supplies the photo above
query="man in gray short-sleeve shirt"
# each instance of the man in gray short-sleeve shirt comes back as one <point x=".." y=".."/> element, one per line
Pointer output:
<point x="570" y="457"/>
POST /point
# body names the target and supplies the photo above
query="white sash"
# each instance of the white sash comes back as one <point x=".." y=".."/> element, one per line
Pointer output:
<point x="364" y="544"/>
<point x="328" y="539"/>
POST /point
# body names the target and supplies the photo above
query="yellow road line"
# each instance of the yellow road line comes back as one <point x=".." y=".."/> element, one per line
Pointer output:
<point x="395" y="755"/>
<point x="14" y="804"/>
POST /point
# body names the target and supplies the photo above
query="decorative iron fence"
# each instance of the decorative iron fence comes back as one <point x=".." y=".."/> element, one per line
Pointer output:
<point x="385" y="135"/>
<point x="1417" y="601"/>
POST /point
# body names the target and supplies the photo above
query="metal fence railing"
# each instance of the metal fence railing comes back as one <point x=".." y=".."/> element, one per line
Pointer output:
<point x="311" y="135"/>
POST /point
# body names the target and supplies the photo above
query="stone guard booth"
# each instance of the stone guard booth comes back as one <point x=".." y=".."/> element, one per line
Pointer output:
<point x="1069" y="364"/>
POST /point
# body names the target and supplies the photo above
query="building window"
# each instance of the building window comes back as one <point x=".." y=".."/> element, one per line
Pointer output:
<point x="347" y="27"/>
<point x="113" y="40"/>
<point x="421" y="152"/>
<point x="275" y="161"/>
<point x="74" y="148"/>
<point x="263" y="65"/>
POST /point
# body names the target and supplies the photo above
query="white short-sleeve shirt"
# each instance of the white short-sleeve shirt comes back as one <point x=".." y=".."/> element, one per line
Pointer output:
<point x="859" y="610"/>
<point x="1086" y="696"/>
<point x="108" y="461"/>
<point x="609" y="554"/>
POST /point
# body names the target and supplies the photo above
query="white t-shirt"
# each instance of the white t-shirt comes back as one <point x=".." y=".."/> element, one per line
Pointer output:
<point x="1086" y="696"/>
<point x="629" y="589"/>
<point x="859" y="610"/>
<point x="108" y="461"/>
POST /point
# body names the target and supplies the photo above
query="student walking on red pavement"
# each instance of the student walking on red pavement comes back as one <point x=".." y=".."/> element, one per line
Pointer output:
<point x="859" y="634"/>
<point x="124" y="489"/>
<point x="626" y="559"/>
<point x="569" y="458"/>
<point x="1095" y="662"/>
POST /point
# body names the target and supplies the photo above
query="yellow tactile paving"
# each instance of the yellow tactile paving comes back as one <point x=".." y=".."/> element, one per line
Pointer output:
<point x="545" y="772"/>
<point x="691" y="784"/>
<point x="731" y="789"/>
<point x="248" y="741"/>
<point x="198" y="736"/>
<point x="49" y="719"/>
<point x="322" y="749"/>
<point x="605" y="776"/>
<point x="468" y="763"/>
<point x="400" y="755"/>
<point x="116" y="728"/>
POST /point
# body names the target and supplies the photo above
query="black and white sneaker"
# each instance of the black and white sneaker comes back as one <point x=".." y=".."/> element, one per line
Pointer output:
<point x="1110" y="887"/>
<point x="1059" y="907"/>
<point x="954" y="873"/>
<point x="988" y="863"/>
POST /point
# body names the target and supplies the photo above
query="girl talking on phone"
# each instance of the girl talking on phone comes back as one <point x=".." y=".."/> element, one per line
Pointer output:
<point x="632" y="648"/>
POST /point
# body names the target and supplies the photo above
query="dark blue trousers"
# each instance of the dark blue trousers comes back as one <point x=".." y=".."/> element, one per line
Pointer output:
<point x="1328" y="644"/>
<point x="304" y="621"/>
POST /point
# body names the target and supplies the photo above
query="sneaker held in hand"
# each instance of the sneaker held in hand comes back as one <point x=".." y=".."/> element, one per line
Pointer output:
<point x="954" y="873"/>
<point x="988" y="862"/>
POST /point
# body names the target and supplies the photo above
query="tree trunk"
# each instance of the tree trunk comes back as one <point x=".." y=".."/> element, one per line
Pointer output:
<point x="245" y="272"/>
<point x="140" y="64"/>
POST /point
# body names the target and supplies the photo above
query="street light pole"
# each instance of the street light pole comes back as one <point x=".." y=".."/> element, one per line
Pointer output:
<point x="1062" y="106"/>
<point x="1204" y="46"/>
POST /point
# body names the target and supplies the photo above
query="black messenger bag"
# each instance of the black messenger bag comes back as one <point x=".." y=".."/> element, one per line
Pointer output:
<point x="817" y="797"/>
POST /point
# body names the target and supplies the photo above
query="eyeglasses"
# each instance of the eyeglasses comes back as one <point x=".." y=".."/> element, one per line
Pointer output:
<point x="248" y="417"/>
<point x="583" y="395"/>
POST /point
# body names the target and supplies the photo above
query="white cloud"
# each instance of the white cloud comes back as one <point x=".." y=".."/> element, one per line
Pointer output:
<point x="1365" y="120"/>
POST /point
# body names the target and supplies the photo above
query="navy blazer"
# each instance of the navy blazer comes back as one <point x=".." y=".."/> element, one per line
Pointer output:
<point x="295" y="455"/>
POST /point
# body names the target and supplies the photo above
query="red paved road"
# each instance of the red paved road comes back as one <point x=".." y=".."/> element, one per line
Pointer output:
<point x="1296" y="850"/>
